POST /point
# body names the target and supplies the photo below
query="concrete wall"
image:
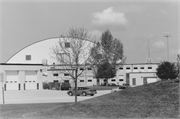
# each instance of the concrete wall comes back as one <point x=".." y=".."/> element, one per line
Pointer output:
<point x="139" y="77"/>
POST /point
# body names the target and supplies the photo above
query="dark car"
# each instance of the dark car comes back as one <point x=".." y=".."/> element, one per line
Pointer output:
<point x="82" y="91"/>
<point x="111" y="84"/>
<point x="126" y="85"/>
<point x="118" y="88"/>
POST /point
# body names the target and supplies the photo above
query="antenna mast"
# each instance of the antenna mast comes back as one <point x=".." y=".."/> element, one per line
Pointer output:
<point x="149" y="54"/>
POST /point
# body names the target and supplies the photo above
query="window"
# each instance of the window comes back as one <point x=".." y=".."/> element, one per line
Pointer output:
<point x="142" y="67"/>
<point x="89" y="69"/>
<point x="149" y="67"/>
<point x="11" y="81"/>
<point x="121" y="68"/>
<point x="55" y="74"/>
<point x="67" y="45"/>
<point x="89" y="80"/>
<point x="6" y="81"/>
<point x="66" y="81"/>
<point x="113" y="79"/>
<point x="120" y="79"/>
<point x="135" y="67"/>
<point x="52" y="67"/>
<point x="33" y="81"/>
<point x="66" y="74"/>
<point x="81" y="68"/>
<point x="127" y="67"/>
<point x="81" y="80"/>
<point x="28" y="57"/>
<point x="15" y="81"/>
<point x="55" y="81"/>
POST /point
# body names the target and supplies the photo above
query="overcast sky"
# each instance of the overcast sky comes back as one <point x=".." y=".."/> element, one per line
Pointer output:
<point x="133" y="22"/>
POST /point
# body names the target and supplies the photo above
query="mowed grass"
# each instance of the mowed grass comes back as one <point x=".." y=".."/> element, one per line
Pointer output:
<point x="156" y="100"/>
<point x="18" y="111"/>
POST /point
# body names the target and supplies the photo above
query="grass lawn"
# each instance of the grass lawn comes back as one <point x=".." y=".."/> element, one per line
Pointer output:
<point x="18" y="111"/>
<point x="156" y="100"/>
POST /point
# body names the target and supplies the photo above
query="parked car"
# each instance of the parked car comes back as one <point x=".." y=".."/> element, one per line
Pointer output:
<point x="82" y="91"/>
<point x="126" y="85"/>
<point x="118" y="88"/>
<point x="111" y="84"/>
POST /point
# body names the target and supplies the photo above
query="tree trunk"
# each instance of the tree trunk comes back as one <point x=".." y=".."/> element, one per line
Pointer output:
<point x="106" y="81"/>
<point x="76" y="86"/>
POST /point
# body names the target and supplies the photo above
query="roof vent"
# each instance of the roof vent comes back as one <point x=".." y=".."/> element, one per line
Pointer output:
<point x="44" y="61"/>
<point x="149" y="60"/>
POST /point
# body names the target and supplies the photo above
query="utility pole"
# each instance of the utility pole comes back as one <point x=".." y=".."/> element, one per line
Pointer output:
<point x="2" y="81"/>
<point x="178" y="64"/>
<point x="167" y="34"/>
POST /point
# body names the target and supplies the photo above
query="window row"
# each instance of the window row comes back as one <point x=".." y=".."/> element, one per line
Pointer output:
<point x="56" y="74"/>
<point x="83" y="80"/>
<point x="115" y="80"/>
<point x="30" y="81"/>
<point x="121" y="68"/>
<point x="16" y="81"/>
<point x="11" y="81"/>
<point x="87" y="69"/>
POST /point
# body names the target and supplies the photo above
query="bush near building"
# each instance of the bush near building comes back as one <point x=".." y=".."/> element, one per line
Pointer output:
<point x="167" y="70"/>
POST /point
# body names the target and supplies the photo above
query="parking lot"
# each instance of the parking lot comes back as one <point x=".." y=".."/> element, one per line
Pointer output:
<point x="42" y="96"/>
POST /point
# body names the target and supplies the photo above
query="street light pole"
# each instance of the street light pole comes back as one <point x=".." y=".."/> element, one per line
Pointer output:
<point x="2" y="80"/>
<point x="167" y="34"/>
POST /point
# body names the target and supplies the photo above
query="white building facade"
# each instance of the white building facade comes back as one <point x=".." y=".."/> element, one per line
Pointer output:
<point x="33" y="65"/>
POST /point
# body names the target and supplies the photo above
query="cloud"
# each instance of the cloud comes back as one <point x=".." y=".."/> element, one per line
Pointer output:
<point x="109" y="17"/>
<point x="159" y="44"/>
<point x="163" y="12"/>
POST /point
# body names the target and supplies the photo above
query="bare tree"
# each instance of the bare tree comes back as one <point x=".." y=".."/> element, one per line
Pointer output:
<point x="73" y="52"/>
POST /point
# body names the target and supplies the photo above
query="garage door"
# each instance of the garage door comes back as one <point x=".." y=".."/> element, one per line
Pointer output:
<point x="12" y="80"/>
<point x="151" y="80"/>
<point x="30" y="80"/>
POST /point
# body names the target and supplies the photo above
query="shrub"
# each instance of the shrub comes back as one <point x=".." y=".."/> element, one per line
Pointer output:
<point x="45" y="85"/>
<point x="167" y="70"/>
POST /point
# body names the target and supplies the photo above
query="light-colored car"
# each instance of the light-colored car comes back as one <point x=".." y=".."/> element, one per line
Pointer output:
<point x="82" y="91"/>
<point x="118" y="88"/>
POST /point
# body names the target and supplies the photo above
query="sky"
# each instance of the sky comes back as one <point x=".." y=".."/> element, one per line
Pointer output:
<point x="134" y="22"/>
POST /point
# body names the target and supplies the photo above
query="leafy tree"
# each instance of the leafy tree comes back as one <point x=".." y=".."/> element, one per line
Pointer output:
<point x="106" y="71"/>
<point x="112" y="48"/>
<point x="167" y="70"/>
<point x="109" y="51"/>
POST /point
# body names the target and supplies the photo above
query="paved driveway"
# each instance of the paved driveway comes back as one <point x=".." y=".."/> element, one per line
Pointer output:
<point x="42" y="96"/>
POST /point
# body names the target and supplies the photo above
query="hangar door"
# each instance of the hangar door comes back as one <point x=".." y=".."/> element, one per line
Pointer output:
<point x="12" y="80"/>
<point x="30" y="80"/>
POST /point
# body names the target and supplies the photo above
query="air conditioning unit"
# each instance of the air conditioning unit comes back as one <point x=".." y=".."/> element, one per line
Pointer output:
<point x="149" y="60"/>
